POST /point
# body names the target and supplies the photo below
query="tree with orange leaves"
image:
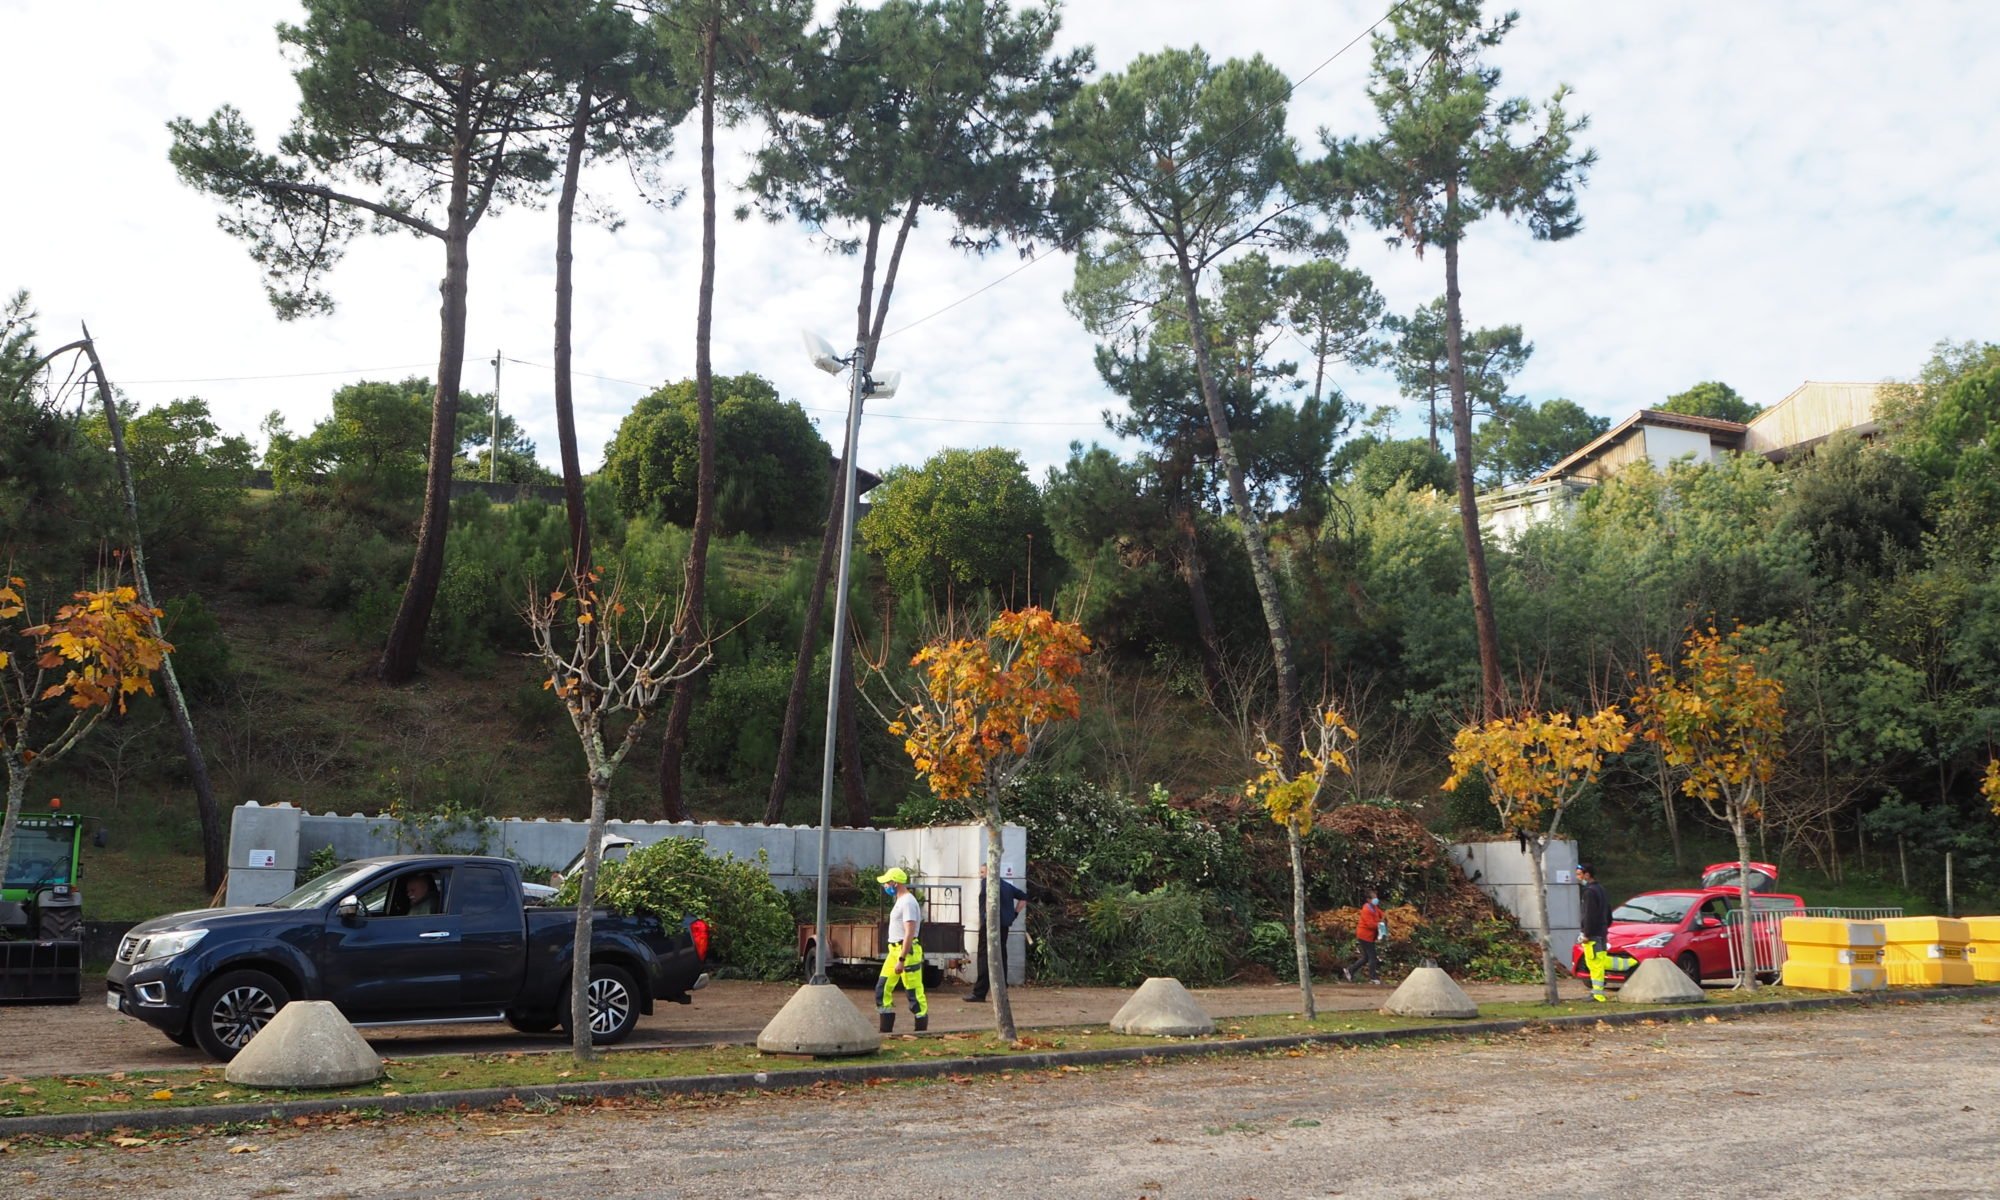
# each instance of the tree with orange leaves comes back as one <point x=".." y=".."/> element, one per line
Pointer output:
<point x="1535" y="765"/>
<point x="983" y="706"/>
<point x="1720" y="721"/>
<point x="1290" y="792"/>
<point x="93" y="654"/>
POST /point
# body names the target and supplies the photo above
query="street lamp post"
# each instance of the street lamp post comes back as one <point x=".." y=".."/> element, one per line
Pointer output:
<point x="823" y="357"/>
<point x="818" y="1020"/>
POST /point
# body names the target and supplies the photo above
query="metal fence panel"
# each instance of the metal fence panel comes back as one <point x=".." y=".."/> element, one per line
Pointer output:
<point x="1767" y="943"/>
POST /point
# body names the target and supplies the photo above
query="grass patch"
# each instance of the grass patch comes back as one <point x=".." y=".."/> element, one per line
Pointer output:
<point x="445" y="1074"/>
<point x="138" y="883"/>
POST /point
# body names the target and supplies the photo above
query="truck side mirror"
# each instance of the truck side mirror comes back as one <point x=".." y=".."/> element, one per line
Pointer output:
<point x="349" y="908"/>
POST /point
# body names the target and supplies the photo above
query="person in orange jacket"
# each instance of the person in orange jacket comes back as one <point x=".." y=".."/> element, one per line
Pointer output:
<point x="1368" y="930"/>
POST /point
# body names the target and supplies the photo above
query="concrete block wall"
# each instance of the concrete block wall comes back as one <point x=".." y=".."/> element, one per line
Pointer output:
<point x="952" y="854"/>
<point x="284" y="837"/>
<point x="1506" y="872"/>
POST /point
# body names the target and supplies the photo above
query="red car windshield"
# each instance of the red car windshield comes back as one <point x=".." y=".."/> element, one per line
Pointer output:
<point x="1664" y="909"/>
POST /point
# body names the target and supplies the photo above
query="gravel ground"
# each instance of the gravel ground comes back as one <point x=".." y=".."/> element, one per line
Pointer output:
<point x="1890" y="1101"/>
<point x="86" y="1037"/>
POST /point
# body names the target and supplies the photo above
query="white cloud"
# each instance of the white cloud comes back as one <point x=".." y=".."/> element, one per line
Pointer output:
<point x="1785" y="190"/>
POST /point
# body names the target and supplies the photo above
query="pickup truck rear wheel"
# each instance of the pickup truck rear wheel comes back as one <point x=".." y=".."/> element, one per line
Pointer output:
<point x="230" y="1010"/>
<point x="614" y="1005"/>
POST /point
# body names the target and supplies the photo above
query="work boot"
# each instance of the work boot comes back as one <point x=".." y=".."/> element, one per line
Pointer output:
<point x="923" y="1023"/>
<point x="973" y="998"/>
<point x="888" y="1022"/>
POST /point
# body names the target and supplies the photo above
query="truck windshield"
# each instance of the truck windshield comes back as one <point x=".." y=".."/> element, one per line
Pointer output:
<point x="41" y="855"/>
<point x="327" y="887"/>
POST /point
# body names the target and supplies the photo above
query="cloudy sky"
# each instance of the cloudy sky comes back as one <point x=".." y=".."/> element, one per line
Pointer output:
<point x="1786" y="190"/>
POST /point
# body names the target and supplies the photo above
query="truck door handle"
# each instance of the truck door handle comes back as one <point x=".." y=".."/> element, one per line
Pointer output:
<point x="435" y="935"/>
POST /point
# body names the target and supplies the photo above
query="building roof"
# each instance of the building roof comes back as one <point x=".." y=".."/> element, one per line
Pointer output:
<point x="1730" y="431"/>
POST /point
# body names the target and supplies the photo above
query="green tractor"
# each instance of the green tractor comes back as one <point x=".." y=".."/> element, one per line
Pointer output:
<point x="41" y="912"/>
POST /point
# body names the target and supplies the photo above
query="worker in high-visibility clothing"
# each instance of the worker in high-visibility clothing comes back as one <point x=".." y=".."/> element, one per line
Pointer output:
<point x="904" y="962"/>
<point x="1596" y="922"/>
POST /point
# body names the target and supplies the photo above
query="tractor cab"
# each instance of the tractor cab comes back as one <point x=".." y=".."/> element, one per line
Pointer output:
<point x="41" y="911"/>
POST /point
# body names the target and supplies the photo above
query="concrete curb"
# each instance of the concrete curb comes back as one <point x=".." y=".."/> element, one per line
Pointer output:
<point x="783" y="1080"/>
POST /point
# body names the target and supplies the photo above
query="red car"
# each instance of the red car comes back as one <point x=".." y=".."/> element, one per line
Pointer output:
<point x="1763" y="876"/>
<point x="1687" y="928"/>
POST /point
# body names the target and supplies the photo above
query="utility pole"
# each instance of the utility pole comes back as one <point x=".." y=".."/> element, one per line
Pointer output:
<point x="493" y="444"/>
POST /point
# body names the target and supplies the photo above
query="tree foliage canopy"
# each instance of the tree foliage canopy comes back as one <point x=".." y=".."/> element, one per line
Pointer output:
<point x="965" y="520"/>
<point x="771" y="463"/>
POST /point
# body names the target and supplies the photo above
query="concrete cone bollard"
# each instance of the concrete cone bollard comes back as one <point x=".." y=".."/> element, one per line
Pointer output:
<point x="1429" y="992"/>
<point x="821" y="1021"/>
<point x="307" y="1045"/>
<point x="1657" y="981"/>
<point x="1162" y="1008"/>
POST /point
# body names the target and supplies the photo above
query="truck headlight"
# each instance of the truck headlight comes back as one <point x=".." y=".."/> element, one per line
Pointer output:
<point x="165" y="945"/>
<point x="1653" y="943"/>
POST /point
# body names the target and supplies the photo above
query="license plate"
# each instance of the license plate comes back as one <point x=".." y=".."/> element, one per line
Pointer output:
<point x="111" y="1000"/>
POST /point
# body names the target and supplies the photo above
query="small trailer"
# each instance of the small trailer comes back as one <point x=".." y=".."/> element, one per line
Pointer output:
<point x="859" y="946"/>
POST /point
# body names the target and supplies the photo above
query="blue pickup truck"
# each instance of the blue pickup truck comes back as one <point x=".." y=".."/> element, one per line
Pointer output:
<point x="397" y="941"/>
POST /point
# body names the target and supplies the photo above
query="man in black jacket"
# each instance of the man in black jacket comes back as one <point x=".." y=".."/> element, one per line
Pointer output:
<point x="1013" y="903"/>
<point x="1596" y="922"/>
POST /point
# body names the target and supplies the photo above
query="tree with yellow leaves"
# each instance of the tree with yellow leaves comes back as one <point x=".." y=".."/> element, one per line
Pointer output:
<point x="1720" y="721"/>
<point x="982" y="706"/>
<point x="605" y="660"/>
<point x="1289" y="791"/>
<point x="1535" y="765"/>
<point x="1989" y="785"/>
<point x="93" y="654"/>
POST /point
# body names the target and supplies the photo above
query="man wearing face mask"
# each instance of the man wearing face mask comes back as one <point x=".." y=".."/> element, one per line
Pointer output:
<point x="904" y="962"/>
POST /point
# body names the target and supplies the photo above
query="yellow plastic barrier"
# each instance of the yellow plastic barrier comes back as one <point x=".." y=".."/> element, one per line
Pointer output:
<point x="1831" y="955"/>
<point x="1927" y="952"/>
<point x="1983" y="950"/>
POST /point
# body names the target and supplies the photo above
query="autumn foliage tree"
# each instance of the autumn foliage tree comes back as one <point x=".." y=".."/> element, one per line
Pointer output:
<point x="1719" y="721"/>
<point x="1535" y="765"/>
<point x="84" y="662"/>
<point x="606" y="661"/>
<point x="1289" y="787"/>
<point x="982" y="706"/>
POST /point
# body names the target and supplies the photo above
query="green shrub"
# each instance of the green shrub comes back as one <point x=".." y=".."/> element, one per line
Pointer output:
<point x="318" y="863"/>
<point x="752" y="930"/>
<point x="1132" y="935"/>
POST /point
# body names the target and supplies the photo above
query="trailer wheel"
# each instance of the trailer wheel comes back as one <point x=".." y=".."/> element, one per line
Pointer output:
<point x="232" y="1008"/>
<point x="933" y="975"/>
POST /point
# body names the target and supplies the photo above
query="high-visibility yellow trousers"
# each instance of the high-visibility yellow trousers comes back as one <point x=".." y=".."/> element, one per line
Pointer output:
<point x="902" y="966"/>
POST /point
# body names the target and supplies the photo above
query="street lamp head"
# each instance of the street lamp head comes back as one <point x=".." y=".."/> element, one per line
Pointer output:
<point x="820" y="351"/>
<point x="883" y="386"/>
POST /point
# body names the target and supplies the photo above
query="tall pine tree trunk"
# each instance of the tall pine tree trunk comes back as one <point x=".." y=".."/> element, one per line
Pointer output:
<point x="1290" y="720"/>
<point x="214" y="849"/>
<point x="868" y="335"/>
<point x="1193" y="573"/>
<point x="572" y="467"/>
<point x="413" y="614"/>
<point x="673" y="746"/>
<point x="1493" y="690"/>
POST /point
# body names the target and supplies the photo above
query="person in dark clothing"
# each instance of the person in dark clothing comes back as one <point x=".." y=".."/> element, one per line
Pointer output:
<point x="1013" y="903"/>
<point x="1596" y="922"/>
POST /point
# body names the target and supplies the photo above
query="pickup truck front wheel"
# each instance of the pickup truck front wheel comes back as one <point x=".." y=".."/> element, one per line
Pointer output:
<point x="232" y="1008"/>
<point x="614" y="1005"/>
